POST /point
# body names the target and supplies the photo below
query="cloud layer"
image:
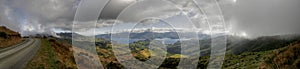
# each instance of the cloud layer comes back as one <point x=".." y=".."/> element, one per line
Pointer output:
<point x="266" y="17"/>
<point x="37" y="16"/>
<point x="251" y="17"/>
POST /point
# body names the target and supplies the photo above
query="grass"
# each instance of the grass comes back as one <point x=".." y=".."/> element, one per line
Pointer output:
<point x="177" y="56"/>
<point x="44" y="59"/>
<point x="52" y="60"/>
<point x="245" y="60"/>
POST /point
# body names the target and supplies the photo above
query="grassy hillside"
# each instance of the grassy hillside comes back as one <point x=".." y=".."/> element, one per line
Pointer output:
<point x="260" y="44"/>
<point x="9" y="37"/>
<point x="53" y="55"/>
<point x="284" y="58"/>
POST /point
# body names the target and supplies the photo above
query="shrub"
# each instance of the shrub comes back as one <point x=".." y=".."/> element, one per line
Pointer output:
<point x="3" y="35"/>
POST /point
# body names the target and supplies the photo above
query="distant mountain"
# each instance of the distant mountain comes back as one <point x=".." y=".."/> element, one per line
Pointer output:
<point x="152" y="35"/>
<point x="241" y="52"/>
<point x="237" y="45"/>
<point x="68" y="35"/>
<point x="263" y="43"/>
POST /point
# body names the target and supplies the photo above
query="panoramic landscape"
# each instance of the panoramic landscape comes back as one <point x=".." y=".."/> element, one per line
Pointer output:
<point x="149" y="34"/>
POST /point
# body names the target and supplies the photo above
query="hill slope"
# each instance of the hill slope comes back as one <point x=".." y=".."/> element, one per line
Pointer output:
<point x="53" y="54"/>
<point x="284" y="58"/>
<point x="9" y="37"/>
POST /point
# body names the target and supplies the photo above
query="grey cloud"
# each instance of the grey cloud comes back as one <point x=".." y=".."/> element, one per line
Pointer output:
<point x="113" y="8"/>
<point x="267" y="17"/>
<point x="255" y="17"/>
<point x="49" y="10"/>
<point x="5" y="17"/>
<point x="148" y="8"/>
<point x="40" y="15"/>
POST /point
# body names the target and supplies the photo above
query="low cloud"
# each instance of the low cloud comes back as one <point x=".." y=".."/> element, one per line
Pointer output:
<point x="254" y="17"/>
<point x="266" y="17"/>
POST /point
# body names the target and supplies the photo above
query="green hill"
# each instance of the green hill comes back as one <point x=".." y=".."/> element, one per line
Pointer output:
<point x="284" y="58"/>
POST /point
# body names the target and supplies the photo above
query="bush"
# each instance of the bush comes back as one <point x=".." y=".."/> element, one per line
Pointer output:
<point x="3" y="35"/>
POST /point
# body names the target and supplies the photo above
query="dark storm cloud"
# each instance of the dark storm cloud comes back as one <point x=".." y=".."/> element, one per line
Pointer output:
<point x="148" y="8"/>
<point x="255" y="17"/>
<point x="113" y="8"/>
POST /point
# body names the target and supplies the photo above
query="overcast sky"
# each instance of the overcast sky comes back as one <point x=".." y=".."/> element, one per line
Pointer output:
<point x="249" y="17"/>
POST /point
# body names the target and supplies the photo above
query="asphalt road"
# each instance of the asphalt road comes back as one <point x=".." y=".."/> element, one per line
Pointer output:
<point x="17" y="56"/>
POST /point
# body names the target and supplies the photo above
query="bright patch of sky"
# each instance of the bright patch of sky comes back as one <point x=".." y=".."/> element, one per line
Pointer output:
<point x="57" y="30"/>
<point x="234" y="1"/>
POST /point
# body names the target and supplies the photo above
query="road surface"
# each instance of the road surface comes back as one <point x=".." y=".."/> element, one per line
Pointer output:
<point x="17" y="56"/>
